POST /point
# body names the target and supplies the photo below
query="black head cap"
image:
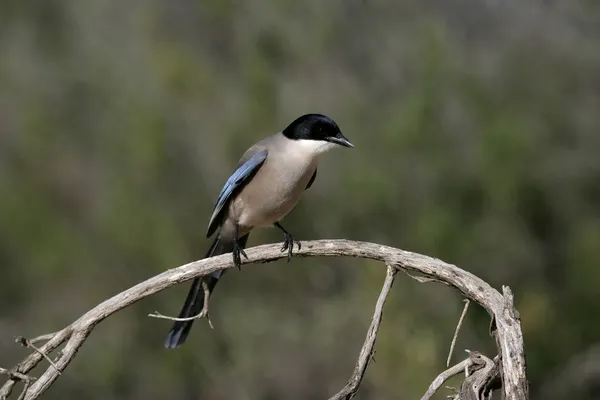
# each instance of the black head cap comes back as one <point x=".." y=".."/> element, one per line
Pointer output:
<point x="316" y="127"/>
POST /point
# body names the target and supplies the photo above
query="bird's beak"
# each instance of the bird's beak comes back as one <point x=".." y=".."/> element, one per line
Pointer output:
<point x="341" y="140"/>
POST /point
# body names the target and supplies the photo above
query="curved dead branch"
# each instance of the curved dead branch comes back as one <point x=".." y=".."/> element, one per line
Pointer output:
<point x="506" y="327"/>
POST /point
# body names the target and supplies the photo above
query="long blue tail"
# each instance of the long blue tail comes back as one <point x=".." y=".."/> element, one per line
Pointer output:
<point x="195" y="298"/>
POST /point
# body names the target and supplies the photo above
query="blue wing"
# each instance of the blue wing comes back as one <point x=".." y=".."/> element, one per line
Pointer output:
<point x="236" y="181"/>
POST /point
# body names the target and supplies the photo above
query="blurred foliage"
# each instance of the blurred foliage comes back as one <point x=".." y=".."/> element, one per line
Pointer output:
<point x="476" y="125"/>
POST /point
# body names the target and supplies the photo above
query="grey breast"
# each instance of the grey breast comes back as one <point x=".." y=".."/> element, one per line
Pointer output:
<point x="277" y="186"/>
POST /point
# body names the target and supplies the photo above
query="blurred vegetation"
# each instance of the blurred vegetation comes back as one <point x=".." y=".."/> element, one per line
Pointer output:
<point x="477" y="133"/>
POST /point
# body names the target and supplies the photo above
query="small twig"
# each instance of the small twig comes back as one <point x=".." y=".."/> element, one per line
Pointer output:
<point x="420" y="279"/>
<point x="452" y="396"/>
<point x="41" y="338"/>
<point x="460" y="321"/>
<point x="34" y="359"/>
<point x="12" y="374"/>
<point x="23" y="341"/>
<point x="475" y="362"/>
<point x="479" y="384"/>
<point x="202" y="314"/>
<point x="24" y="391"/>
<point x="444" y="376"/>
<point x="17" y="376"/>
<point x="366" y="352"/>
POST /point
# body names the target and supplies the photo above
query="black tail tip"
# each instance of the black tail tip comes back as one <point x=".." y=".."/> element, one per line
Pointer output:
<point x="174" y="339"/>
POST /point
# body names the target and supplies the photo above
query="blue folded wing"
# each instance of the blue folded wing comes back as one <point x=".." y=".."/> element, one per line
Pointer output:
<point x="236" y="181"/>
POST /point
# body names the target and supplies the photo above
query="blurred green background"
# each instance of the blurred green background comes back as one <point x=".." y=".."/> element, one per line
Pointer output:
<point x="477" y="133"/>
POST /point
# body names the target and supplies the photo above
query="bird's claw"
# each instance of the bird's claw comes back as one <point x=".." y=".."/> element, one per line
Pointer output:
<point x="238" y="252"/>
<point x="288" y="244"/>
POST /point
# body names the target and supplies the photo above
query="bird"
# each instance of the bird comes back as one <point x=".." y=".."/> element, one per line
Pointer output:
<point x="268" y="182"/>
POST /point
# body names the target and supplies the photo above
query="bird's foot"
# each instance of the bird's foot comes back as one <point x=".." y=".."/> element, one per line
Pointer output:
<point x="288" y="244"/>
<point x="238" y="252"/>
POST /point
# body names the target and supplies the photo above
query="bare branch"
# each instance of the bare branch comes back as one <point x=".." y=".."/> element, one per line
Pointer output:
<point x="460" y="321"/>
<point x="34" y="359"/>
<point x="16" y="375"/>
<point x="41" y="338"/>
<point x="202" y="314"/>
<point x="23" y="341"/>
<point x="480" y="382"/>
<point x="366" y="352"/>
<point x="480" y="376"/>
<point x="420" y="279"/>
<point x="444" y="376"/>
<point x="24" y="391"/>
<point x="510" y="343"/>
<point x="507" y="327"/>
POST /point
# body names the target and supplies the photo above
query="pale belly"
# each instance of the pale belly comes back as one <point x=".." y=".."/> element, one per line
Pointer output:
<point x="271" y="195"/>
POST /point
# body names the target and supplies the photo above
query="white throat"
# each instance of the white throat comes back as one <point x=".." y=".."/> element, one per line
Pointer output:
<point x="312" y="147"/>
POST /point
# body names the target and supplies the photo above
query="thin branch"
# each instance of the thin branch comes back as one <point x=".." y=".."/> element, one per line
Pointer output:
<point x="34" y="359"/>
<point x="23" y="341"/>
<point x="460" y="321"/>
<point x="366" y="352"/>
<point x="24" y="391"/>
<point x="444" y="376"/>
<point x="480" y="373"/>
<point x="16" y="375"/>
<point x="483" y="375"/>
<point x="202" y="314"/>
<point x="507" y="330"/>
<point x="41" y="338"/>
<point x="421" y="279"/>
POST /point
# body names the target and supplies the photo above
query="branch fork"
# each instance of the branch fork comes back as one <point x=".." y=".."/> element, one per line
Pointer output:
<point x="202" y="314"/>
<point x="506" y="327"/>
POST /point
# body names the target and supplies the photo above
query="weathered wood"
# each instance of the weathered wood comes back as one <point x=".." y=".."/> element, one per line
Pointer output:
<point x="507" y="324"/>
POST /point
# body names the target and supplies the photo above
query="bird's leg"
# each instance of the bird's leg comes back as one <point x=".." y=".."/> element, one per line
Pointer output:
<point x="288" y="242"/>
<point x="238" y="251"/>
